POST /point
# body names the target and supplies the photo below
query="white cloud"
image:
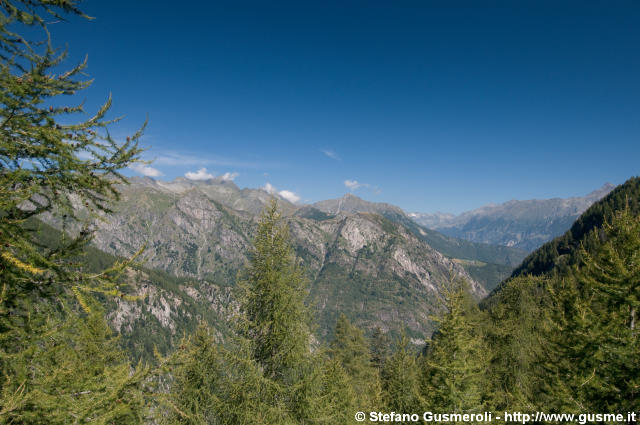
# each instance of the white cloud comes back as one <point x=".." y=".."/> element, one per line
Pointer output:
<point x="354" y="184"/>
<point x="145" y="170"/>
<point x="173" y="159"/>
<point x="268" y="187"/>
<point x="289" y="196"/>
<point x="331" y="154"/>
<point x="284" y="194"/>
<point x="201" y="174"/>
<point x="229" y="176"/>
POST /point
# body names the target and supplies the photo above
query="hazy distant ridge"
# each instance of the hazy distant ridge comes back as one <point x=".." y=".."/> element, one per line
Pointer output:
<point x="520" y="224"/>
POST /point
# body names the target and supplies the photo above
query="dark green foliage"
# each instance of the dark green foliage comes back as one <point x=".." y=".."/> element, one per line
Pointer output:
<point x="313" y="214"/>
<point x="594" y="351"/>
<point x="379" y="348"/>
<point x="351" y="350"/>
<point x="456" y="361"/>
<point x="568" y="341"/>
<point x="401" y="380"/>
<point x="489" y="275"/>
<point x="514" y="330"/>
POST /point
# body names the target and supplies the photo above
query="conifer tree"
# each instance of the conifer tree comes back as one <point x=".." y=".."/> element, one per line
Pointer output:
<point x="514" y="334"/>
<point x="266" y="373"/>
<point x="72" y="371"/>
<point x="274" y="318"/>
<point x="339" y="400"/>
<point x="51" y="162"/>
<point x="213" y="384"/>
<point x="401" y="380"/>
<point x="594" y="352"/>
<point x="48" y="164"/>
<point x="274" y="315"/>
<point x="350" y="348"/>
<point x="454" y="367"/>
<point x="379" y="348"/>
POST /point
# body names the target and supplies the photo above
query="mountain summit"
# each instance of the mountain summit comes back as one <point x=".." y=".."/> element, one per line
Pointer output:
<point x="350" y="203"/>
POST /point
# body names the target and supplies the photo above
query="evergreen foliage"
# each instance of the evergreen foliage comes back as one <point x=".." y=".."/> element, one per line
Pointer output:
<point x="274" y="316"/>
<point x="58" y="364"/>
<point x="568" y="342"/>
<point x="401" y="380"/>
<point x="71" y="371"/>
<point x="513" y="330"/>
<point x="46" y="164"/>
<point x="561" y="334"/>
<point x="267" y="374"/>
<point x="350" y="349"/>
<point x="456" y="362"/>
<point x="215" y="385"/>
<point x="594" y="352"/>
<point x="339" y="399"/>
<point x="379" y="348"/>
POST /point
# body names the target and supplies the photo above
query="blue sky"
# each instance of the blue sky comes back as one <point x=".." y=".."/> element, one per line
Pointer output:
<point x="427" y="105"/>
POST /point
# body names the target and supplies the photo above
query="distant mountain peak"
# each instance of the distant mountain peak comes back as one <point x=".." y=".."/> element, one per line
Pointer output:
<point x="525" y="224"/>
<point x="352" y="204"/>
<point x="601" y="192"/>
<point x="351" y="196"/>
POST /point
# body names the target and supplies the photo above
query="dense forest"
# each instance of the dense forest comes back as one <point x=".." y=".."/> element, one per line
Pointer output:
<point x="559" y="336"/>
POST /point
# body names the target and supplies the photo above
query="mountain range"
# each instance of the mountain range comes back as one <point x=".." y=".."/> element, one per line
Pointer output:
<point x="367" y="260"/>
<point x="520" y="224"/>
<point x="370" y="261"/>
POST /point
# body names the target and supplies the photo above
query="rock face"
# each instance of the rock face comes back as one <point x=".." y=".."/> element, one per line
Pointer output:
<point x="376" y="270"/>
<point x="488" y="264"/>
<point x="520" y="224"/>
<point x="367" y="266"/>
<point x="165" y="308"/>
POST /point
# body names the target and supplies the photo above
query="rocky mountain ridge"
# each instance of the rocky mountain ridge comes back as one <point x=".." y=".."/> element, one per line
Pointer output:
<point x="378" y="269"/>
<point x="520" y="224"/>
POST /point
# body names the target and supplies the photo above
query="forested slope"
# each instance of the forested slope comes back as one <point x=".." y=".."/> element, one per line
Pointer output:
<point x="563" y="251"/>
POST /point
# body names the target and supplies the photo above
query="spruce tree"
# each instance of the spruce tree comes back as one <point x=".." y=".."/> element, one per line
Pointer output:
<point x="351" y="349"/>
<point x="594" y="352"/>
<point x="401" y="380"/>
<point x="514" y="333"/>
<point x="456" y="362"/>
<point x="379" y="348"/>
